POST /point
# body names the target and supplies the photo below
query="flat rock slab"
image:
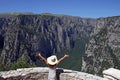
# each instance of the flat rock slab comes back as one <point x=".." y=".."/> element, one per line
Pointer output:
<point x="41" y="73"/>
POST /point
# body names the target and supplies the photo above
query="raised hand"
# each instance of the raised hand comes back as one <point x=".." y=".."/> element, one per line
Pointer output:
<point x="44" y="59"/>
<point x="66" y="56"/>
<point x="38" y="54"/>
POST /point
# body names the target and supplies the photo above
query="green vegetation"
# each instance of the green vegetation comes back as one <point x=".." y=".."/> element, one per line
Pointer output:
<point x="105" y="64"/>
<point x="21" y="63"/>
<point x="91" y="70"/>
<point x="115" y="59"/>
<point x="74" y="62"/>
<point x="2" y="67"/>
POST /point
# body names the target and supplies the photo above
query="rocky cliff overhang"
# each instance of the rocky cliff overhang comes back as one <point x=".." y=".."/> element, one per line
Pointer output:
<point x="41" y="73"/>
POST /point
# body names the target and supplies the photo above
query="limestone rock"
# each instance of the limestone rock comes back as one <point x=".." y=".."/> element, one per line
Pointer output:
<point x="41" y="73"/>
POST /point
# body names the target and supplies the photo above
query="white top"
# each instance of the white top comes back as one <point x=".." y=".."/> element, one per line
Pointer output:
<point x="52" y="74"/>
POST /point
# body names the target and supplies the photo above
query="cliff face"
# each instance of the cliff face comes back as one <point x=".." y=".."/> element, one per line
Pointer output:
<point x="97" y="41"/>
<point x="22" y="35"/>
<point x="103" y="49"/>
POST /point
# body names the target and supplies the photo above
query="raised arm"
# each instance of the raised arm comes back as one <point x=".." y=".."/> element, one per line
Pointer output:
<point x="44" y="59"/>
<point x="61" y="59"/>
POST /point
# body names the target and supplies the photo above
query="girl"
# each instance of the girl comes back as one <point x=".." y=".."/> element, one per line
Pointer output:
<point x="52" y="63"/>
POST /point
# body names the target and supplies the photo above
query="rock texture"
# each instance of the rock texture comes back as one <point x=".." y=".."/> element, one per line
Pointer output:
<point x="93" y="44"/>
<point x="103" y="49"/>
<point x="37" y="73"/>
<point x="41" y="73"/>
<point x="21" y="36"/>
<point x="112" y="74"/>
<point x="23" y="72"/>
<point x="75" y="75"/>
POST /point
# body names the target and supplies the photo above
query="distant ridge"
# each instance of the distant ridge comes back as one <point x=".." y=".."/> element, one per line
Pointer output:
<point x="93" y="44"/>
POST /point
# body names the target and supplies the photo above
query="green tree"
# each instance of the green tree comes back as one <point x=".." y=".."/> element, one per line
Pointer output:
<point x="21" y="63"/>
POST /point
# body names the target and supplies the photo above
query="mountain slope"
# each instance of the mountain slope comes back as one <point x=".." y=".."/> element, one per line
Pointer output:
<point x="23" y="35"/>
<point x="93" y="44"/>
<point x="103" y="49"/>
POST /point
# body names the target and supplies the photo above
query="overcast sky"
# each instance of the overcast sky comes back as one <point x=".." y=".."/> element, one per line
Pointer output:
<point x="82" y="8"/>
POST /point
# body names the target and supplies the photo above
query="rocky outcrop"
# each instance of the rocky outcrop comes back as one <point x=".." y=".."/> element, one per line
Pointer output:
<point x="21" y="36"/>
<point x="93" y="44"/>
<point x="112" y="74"/>
<point x="103" y="49"/>
<point x="41" y="73"/>
<point x="23" y="71"/>
<point x="75" y="75"/>
<point x="31" y="76"/>
<point x="37" y="73"/>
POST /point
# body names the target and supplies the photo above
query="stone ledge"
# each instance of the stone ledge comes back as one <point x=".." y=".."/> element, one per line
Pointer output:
<point x="23" y="71"/>
<point x="41" y="73"/>
<point x="75" y="75"/>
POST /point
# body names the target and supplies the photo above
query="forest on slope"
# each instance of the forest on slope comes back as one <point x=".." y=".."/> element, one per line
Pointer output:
<point x="21" y="36"/>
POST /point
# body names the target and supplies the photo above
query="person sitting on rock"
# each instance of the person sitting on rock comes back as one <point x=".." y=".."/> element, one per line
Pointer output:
<point x="52" y="62"/>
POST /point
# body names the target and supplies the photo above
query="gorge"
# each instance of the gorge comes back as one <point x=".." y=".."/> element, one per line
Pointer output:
<point x="92" y="44"/>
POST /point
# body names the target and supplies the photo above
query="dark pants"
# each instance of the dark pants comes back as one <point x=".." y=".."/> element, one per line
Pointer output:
<point x="58" y="72"/>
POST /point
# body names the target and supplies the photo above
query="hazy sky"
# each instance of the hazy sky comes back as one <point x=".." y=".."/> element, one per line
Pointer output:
<point x="82" y="8"/>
